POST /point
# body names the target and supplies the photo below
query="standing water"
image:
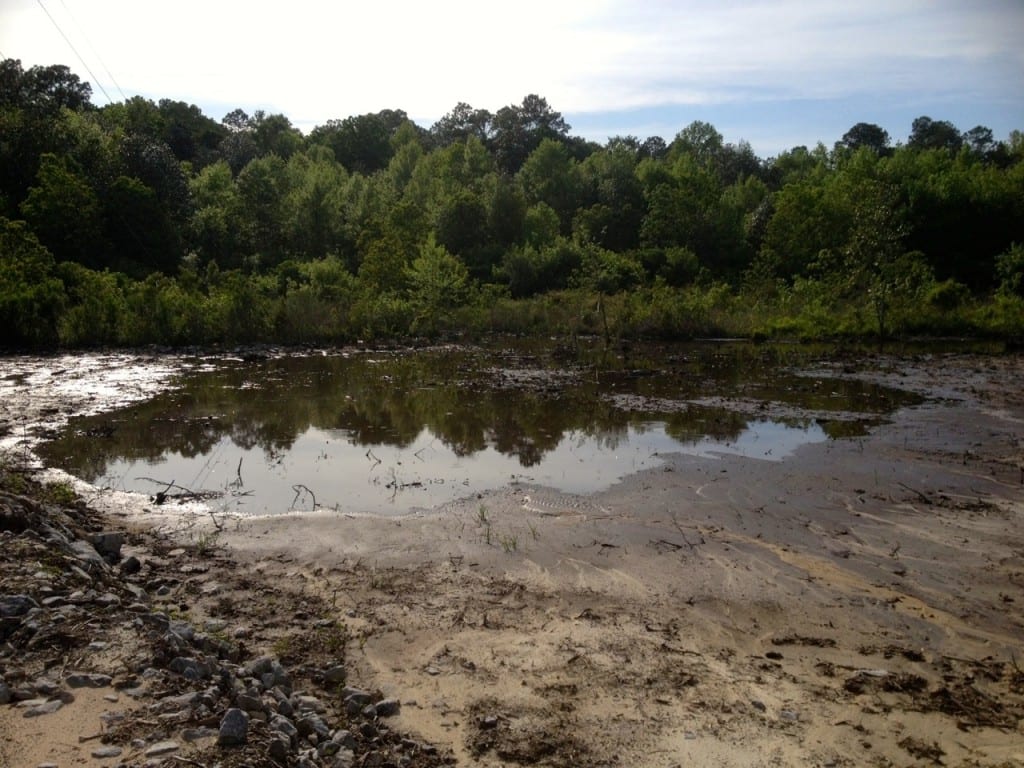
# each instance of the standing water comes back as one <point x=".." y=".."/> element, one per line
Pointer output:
<point x="385" y="432"/>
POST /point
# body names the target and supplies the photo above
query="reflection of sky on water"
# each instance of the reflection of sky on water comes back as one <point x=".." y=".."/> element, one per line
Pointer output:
<point x="386" y="478"/>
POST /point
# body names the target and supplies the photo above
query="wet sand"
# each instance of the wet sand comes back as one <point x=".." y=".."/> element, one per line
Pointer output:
<point x="859" y="602"/>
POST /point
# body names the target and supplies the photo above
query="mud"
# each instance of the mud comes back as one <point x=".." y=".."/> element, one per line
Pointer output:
<point x="857" y="603"/>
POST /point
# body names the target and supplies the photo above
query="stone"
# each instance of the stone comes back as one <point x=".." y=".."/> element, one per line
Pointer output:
<point x="86" y="554"/>
<point x="47" y="708"/>
<point x="328" y="748"/>
<point x="248" y="702"/>
<point x="189" y="668"/>
<point x="355" y="701"/>
<point x="388" y="707"/>
<point x="309" y="704"/>
<point x="5" y="693"/>
<point x="131" y="565"/>
<point x="279" y="749"/>
<point x="108" y="600"/>
<point x="16" y="605"/>
<point x="311" y="723"/>
<point x="162" y="748"/>
<point x="108" y="544"/>
<point x="87" y="680"/>
<point x="104" y="752"/>
<point x="234" y="728"/>
<point x="335" y="674"/>
<point x="284" y="726"/>
<point x="345" y="738"/>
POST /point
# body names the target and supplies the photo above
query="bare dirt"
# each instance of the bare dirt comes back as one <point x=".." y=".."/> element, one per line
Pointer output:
<point x="857" y="603"/>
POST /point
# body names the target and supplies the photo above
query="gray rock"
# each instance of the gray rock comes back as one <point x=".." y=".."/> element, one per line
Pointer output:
<point x="345" y="738"/>
<point x="344" y="759"/>
<point x="285" y="727"/>
<point x="355" y="700"/>
<point x="108" y="600"/>
<point x="788" y="714"/>
<point x="312" y="723"/>
<point x="308" y="704"/>
<point x="47" y="708"/>
<point x="54" y="601"/>
<point x="184" y="630"/>
<point x="131" y="565"/>
<point x="284" y="706"/>
<point x="190" y="669"/>
<point x="249" y="702"/>
<point x="335" y="674"/>
<point x="279" y="749"/>
<point x="87" y="680"/>
<point x="257" y="667"/>
<point x="327" y="748"/>
<point x="46" y="687"/>
<point x="181" y="701"/>
<point x="86" y="554"/>
<point x="162" y="748"/>
<point x="104" y="752"/>
<point x="108" y="544"/>
<point x="5" y="693"/>
<point x="16" y="605"/>
<point x="157" y="620"/>
<point x="388" y="707"/>
<point x="234" y="728"/>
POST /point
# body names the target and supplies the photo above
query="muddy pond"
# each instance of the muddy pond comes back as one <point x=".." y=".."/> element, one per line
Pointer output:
<point x="390" y="431"/>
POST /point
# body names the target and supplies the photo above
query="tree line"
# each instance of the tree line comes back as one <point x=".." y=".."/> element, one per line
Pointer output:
<point x="149" y="222"/>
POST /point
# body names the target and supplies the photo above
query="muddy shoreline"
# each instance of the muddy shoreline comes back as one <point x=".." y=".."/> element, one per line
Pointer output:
<point x="860" y="602"/>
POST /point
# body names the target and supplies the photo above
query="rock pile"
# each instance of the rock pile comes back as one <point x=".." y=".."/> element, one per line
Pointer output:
<point x="74" y="614"/>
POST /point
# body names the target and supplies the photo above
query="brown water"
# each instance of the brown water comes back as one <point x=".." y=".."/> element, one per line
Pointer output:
<point x="391" y="431"/>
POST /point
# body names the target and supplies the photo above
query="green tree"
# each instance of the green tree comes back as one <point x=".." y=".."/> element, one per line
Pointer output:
<point x="517" y="130"/>
<point x="926" y="133"/>
<point x="438" y="284"/>
<point x="65" y="213"/>
<point x="31" y="295"/>
<point x="868" y="135"/>
<point x="550" y="176"/>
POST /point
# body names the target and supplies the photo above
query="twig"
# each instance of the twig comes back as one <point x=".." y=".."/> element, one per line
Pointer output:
<point x="924" y="499"/>
<point x="370" y="455"/>
<point x="679" y="528"/>
<point x="299" y="488"/>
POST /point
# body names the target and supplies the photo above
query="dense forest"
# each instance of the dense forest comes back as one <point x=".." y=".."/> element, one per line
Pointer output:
<point x="141" y="222"/>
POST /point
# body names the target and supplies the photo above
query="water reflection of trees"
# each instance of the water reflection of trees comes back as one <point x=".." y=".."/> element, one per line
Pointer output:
<point x="390" y="399"/>
<point x="371" y="402"/>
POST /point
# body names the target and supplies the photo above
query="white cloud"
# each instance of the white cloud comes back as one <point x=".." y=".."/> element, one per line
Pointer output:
<point x="315" y="61"/>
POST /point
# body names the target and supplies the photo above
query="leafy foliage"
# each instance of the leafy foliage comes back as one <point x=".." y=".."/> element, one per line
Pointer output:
<point x="148" y="222"/>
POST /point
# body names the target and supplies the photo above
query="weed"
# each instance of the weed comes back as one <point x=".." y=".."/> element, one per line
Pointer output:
<point x="206" y="543"/>
<point x="481" y="515"/>
<point x="533" y="530"/>
<point x="283" y="647"/>
<point x="60" y="493"/>
<point x="509" y="543"/>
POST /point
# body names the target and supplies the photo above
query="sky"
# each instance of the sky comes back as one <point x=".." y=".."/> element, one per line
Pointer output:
<point x="776" y="73"/>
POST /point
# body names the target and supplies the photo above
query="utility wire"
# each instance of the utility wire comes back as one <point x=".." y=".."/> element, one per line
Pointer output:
<point x="94" y="51"/>
<point x="72" y="47"/>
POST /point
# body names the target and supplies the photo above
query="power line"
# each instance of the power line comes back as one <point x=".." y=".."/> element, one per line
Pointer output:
<point x="94" y="51"/>
<point x="72" y="47"/>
